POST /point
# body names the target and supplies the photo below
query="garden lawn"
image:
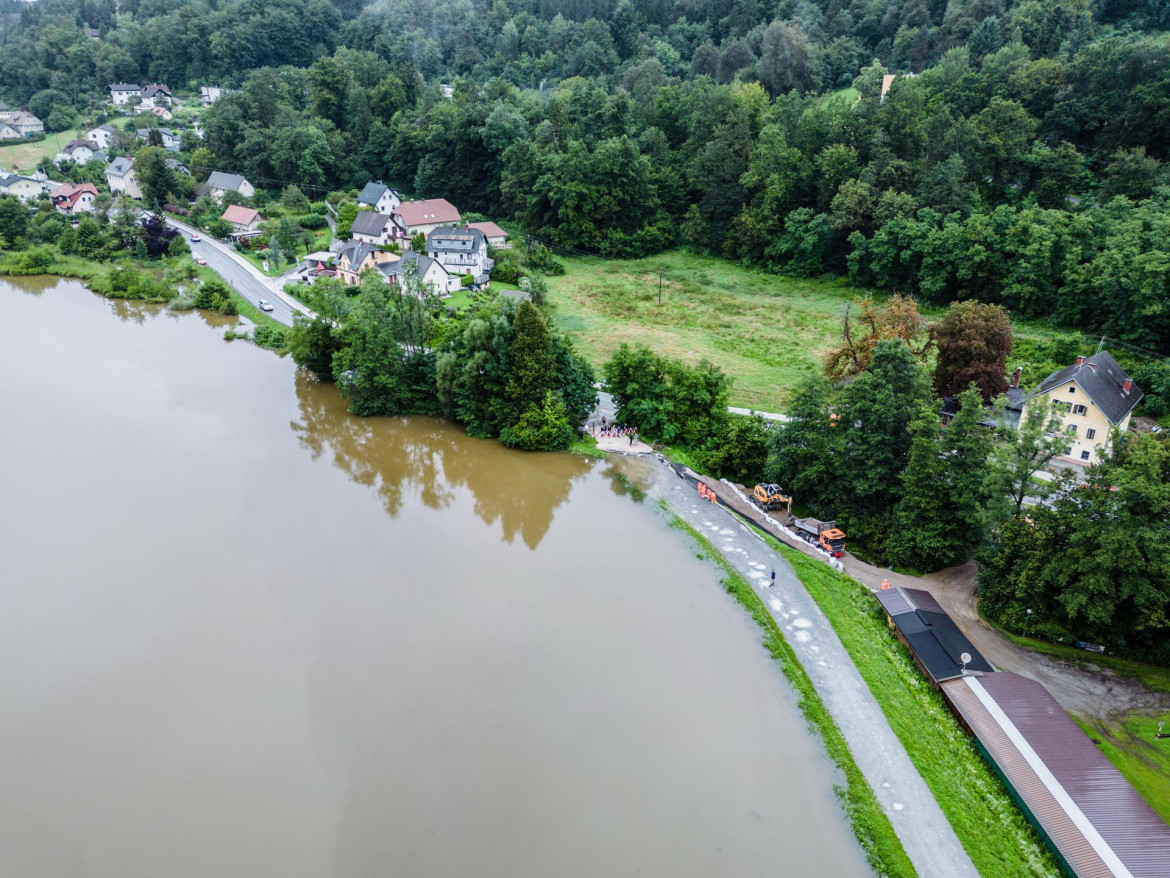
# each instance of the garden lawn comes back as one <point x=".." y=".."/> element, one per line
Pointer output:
<point x="26" y="156"/>
<point x="764" y="330"/>
<point x="989" y="825"/>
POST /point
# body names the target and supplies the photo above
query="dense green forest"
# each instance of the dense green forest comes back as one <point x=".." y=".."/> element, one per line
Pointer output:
<point x="1023" y="164"/>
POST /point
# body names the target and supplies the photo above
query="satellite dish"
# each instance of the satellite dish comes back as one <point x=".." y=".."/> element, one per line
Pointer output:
<point x="965" y="657"/>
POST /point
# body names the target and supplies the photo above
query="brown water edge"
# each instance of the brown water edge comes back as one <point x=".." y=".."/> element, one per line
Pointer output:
<point x="244" y="633"/>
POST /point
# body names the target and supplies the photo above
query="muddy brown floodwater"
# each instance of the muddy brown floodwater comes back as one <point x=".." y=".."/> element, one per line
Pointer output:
<point x="245" y="634"/>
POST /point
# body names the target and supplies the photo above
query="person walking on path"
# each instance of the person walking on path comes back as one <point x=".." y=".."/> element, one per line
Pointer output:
<point x="773" y="579"/>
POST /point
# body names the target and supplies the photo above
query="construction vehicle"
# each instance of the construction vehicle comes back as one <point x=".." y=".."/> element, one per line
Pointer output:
<point x="820" y="533"/>
<point x="770" y="496"/>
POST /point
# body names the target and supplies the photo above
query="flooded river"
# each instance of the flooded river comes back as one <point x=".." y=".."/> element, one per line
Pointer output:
<point x="245" y="634"/>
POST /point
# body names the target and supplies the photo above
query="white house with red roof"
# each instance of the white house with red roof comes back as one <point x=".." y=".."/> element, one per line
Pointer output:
<point x="74" y="198"/>
<point x="425" y="216"/>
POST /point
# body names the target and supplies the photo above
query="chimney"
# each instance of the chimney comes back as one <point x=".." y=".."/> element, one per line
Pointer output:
<point x="1080" y="361"/>
<point x="1016" y="376"/>
<point x="1128" y="385"/>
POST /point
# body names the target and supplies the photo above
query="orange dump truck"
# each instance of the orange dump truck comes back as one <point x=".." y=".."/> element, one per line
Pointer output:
<point x="821" y="533"/>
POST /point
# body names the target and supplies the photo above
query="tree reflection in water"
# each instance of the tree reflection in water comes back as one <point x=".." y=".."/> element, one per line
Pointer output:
<point x="400" y="458"/>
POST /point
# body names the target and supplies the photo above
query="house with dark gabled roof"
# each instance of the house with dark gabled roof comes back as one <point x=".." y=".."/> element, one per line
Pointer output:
<point x="6" y="111"/>
<point x="1097" y="397"/>
<point x="154" y="96"/>
<point x="461" y="251"/>
<point x="379" y="197"/>
<point x="356" y="256"/>
<point x="219" y="184"/>
<point x="124" y="92"/>
<point x="79" y="151"/>
<point x="430" y="271"/>
<point x="120" y="177"/>
<point x="936" y="644"/>
<point x="376" y="228"/>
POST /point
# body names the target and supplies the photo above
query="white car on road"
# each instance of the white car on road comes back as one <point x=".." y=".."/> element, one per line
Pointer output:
<point x="264" y="305"/>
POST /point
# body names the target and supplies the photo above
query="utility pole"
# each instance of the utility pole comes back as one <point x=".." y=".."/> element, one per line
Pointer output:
<point x="660" y="286"/>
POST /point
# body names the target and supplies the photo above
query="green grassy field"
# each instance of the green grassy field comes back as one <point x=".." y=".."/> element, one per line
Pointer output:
<point x="765" y="330"/>
<point x="26" y="156"/>
<point x="762" y="329"/>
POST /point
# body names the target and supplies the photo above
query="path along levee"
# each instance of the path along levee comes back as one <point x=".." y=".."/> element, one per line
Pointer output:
<point x="924" y="830"/>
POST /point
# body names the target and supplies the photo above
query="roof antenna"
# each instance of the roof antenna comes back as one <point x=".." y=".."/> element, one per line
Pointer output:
<point x="1100" y="344"/>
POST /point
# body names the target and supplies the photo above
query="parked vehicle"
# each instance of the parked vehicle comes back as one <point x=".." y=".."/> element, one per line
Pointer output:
<point x="199" y="260"/>
<point x="820" y="533"/>
<point x="769" y="496"/>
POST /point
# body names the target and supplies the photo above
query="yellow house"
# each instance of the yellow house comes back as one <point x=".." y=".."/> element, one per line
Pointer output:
<point x="1096" y="396"/>
<point x="356" y="256"/>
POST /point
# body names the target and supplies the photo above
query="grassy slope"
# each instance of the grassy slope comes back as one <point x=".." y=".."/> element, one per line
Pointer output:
<point x="26" y="155"/>
<point x="987" y="822"/>
<point x="870" y="824"/>
<point x="765" y="330"/>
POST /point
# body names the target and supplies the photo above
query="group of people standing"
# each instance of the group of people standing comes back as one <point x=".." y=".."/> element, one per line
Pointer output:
<point x="606" y="430"/>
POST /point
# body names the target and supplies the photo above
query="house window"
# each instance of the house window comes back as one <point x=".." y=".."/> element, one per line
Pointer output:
<point x="1072" y="429"/>
<point x="1084" y="455"/>
<point x="1078" y="409"/>
<point x="1090" y="434"/>
<point x="1072" y="388"/>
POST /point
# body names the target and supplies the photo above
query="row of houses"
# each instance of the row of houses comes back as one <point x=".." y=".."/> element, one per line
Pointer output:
<point x="149" y="97"/>
<point x="1090" y="816"/>
<point x="68" y="198"/>
<point x="18" y="124"/>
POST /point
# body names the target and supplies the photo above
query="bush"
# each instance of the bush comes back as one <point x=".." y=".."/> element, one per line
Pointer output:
<point x="268" y="336"/>
<point x="540" y="258"/>
<point x="312" y="221"/>
<point x="541" y="428"/>
<point x="507" y="272"/>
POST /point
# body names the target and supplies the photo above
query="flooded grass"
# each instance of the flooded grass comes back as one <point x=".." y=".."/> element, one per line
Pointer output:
<point x="989" y="825"/>
<point x="874" y="832"/>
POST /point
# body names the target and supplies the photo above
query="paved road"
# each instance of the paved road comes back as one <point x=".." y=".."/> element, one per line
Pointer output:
<point x="606" y="408"/>
<point x="241" y="275"/>
<point x="926" y="834"/>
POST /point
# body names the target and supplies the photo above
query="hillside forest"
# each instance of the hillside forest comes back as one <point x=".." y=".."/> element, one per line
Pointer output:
<point x="1016" y="157"/>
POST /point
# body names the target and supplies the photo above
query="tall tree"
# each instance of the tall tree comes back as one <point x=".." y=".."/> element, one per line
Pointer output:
<point x="974" y="341"/>
<point x="1026" y="449"/>
<point x="875" y="414"/>
<point x="803" y="449"/>
<point x="862" y="332"/>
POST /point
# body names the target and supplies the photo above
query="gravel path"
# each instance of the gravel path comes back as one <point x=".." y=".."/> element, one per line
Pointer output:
<point x="927" y="836"/>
